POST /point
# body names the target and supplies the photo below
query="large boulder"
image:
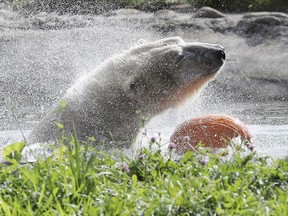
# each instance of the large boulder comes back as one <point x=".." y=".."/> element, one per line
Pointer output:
<point x="262" y="26"/>
<point x="208" y="12"/>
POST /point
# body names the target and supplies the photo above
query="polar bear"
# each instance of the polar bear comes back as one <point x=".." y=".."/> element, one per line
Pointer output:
<point x="113" y="102"/>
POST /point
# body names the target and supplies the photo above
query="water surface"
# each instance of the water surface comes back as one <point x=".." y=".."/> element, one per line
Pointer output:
<point x="43" y="55"/>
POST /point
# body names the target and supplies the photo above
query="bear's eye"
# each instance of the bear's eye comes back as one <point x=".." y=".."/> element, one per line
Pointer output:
<point x="132" y="86"/>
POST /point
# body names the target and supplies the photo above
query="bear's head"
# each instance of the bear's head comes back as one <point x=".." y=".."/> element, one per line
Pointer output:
<point x="159" y="75"/>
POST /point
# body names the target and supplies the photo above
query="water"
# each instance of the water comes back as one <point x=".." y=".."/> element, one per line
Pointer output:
<point x="42" y="56"/>
<point x="267" y="122"/>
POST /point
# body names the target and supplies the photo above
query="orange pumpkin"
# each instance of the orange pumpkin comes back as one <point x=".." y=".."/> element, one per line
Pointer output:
<point x="211" y="131"/>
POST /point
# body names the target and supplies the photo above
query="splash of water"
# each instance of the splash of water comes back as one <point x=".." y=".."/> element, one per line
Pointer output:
<point x="42" y="55"/>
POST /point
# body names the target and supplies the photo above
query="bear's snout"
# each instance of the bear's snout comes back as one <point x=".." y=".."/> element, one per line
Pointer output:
<point x="217" y="56"/>
<point x="221" y="54"/>
<point x="203" y="57"/>
<point x="210" y="51"/>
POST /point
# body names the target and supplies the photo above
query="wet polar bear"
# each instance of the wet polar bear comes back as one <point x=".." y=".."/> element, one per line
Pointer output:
<point x="110" y="103"/>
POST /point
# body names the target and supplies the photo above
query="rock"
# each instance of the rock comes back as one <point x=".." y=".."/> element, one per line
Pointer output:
<point x="268" y="20"/>
<point x="124" y="12"/>
<point x="262" y="26"/>
<point x="208" y="12"/>
<point x="263" y="14"/>
<point x="165" y="14"/>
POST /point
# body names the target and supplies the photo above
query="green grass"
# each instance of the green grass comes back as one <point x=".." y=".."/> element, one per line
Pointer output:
<point x="81" y="180"/>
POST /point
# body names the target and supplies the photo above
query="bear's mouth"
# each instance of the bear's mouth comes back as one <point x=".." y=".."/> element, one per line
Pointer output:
<point x="203" y="68"/>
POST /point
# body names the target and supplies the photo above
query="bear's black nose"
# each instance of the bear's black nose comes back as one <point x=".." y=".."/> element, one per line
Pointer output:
<point x="221" y="54"/>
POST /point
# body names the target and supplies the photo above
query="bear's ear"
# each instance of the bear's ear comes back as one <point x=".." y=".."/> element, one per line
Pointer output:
<point x="131" y="86"/>
<point x="141" y="41"/>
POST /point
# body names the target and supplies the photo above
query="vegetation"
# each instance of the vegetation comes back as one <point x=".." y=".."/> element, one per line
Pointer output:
<point x="81" y="180"/>
<point x="100" y="6"/>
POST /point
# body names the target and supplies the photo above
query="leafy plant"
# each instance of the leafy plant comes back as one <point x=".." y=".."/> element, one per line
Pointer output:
<point x="82" y="180"/>
<point x="13" y="152"/>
